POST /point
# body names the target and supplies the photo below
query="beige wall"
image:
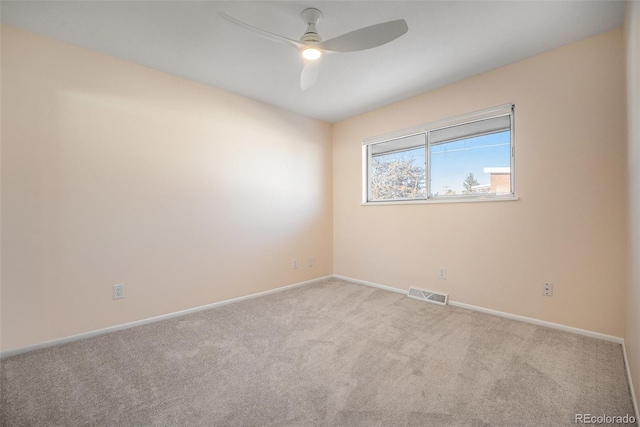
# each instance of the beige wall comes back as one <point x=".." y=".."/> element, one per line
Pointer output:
<point x="632" y="332"/>
<point x="115" y="173"/>
<point x="569" y="226"/>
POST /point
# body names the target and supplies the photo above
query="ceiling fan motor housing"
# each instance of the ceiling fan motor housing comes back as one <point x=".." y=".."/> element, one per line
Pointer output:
<point x="311" y="17"/>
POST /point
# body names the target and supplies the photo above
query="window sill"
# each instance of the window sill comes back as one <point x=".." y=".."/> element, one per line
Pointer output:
<point x="445" y="200"/>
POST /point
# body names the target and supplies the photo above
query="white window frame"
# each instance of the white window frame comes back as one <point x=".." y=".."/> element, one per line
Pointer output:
<point x="426" y="129"/>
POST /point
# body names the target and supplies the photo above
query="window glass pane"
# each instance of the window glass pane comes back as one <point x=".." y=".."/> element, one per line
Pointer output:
<point x="472" y="166"/>
<point x="397" y="169"/>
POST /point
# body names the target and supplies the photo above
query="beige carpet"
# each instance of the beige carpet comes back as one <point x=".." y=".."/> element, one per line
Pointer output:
<point x="333" y="353"/>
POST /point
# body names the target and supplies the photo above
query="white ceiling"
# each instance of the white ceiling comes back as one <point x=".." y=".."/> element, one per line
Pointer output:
<point x="447" y="41"/>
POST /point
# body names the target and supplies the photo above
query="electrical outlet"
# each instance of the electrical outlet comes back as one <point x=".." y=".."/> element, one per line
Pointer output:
<point x="118" y="291"/>
<point x="547" y="289"/>
<point x="295" y="263"/>
<point x="310" y="262"/>
<point x="442" y="273"/>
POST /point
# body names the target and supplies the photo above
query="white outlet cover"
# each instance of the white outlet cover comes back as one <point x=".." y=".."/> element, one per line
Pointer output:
<point x="118" y="291"/>
<point x="442" y="273"/>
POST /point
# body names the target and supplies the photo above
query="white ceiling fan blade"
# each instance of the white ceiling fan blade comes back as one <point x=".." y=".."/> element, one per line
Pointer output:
<point x="262" y="33"/>
<point x="366" y="38"/>
<point x="309" y="74"/>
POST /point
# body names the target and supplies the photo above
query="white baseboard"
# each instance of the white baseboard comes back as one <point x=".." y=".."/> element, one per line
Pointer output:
<point x="373" y="285"/>
<point x="90" y="334"/>
<point x="538" y="322"/>
<point x="633" y="394"/>
<point x="533" y="321"/>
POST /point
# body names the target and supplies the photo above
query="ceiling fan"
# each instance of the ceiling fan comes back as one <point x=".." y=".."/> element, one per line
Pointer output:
<point x="312" y="47"/>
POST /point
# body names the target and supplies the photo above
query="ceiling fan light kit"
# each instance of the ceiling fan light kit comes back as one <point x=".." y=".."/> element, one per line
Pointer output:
<point x="311" y="53"/>
<point x="312" y="47"/>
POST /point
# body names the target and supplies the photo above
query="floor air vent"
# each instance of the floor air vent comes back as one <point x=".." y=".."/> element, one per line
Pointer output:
<point x="428" y="296"/>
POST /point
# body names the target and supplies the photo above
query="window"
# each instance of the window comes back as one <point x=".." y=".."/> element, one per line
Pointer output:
<point x="469" y="157"/>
